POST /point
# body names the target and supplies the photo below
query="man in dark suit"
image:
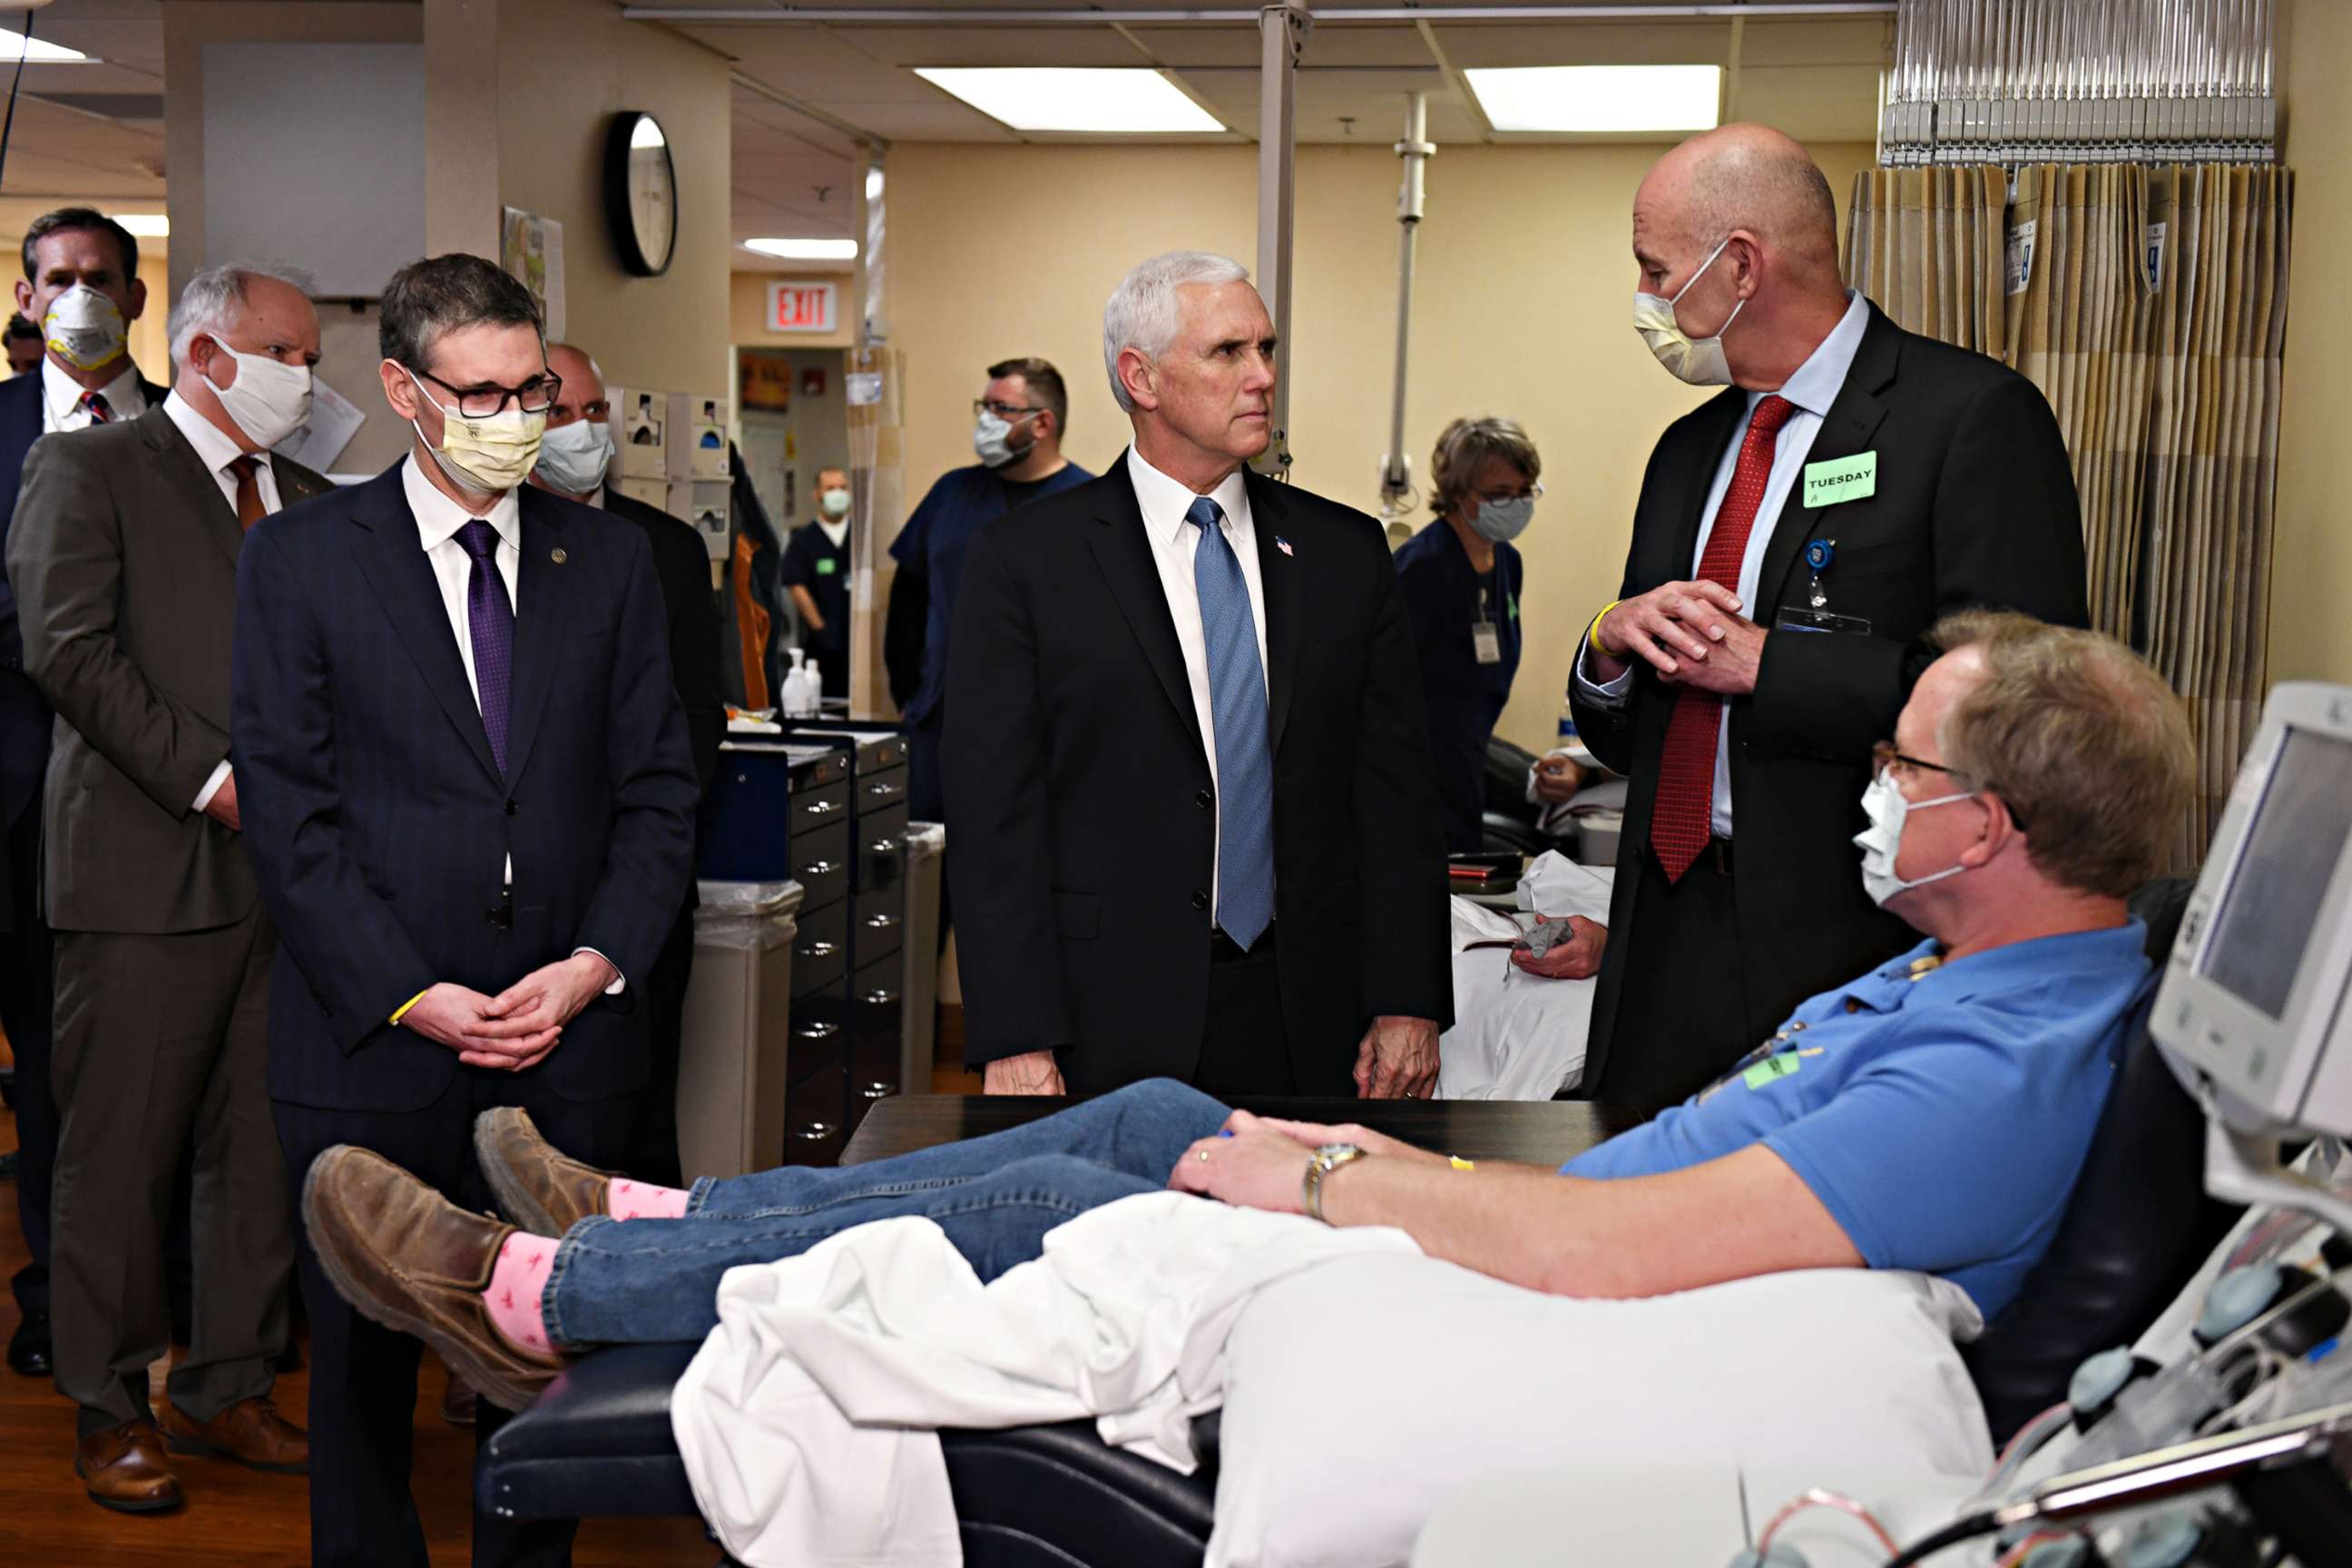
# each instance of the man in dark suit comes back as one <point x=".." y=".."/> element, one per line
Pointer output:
<point x="574" y="460"/>
<point x="1796" y="538"/>
<point x="123" y="556"/>
<point x="1188" y="781"/>
<point x="469" y="802"/>
<point x="90" y="264"/>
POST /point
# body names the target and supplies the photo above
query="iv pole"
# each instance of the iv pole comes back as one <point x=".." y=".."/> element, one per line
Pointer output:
<point x="1396" y="467"/>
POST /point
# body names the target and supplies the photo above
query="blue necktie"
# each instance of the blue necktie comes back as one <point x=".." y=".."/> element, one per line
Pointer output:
<point x="490" y="617"/>
<point x="1238" y="707"/>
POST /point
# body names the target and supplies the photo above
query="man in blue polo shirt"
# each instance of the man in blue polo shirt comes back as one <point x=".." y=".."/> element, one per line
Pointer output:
<point x="1931" y="1115"/>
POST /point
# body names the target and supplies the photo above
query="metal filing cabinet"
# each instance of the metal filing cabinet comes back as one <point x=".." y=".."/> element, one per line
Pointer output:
<point x="876" y="1014"/>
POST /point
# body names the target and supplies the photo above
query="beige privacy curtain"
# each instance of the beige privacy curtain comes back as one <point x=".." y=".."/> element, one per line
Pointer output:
<point x="2148" y="305"/>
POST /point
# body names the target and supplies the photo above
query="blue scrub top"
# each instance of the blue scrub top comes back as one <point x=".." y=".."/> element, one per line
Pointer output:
<point x="1462" y="697"/>
<point x="959" y="506"/>
<point x="1940" y="1115"/>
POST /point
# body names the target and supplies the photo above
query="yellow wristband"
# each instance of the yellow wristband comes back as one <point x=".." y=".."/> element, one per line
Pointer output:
<point x="401" y="1011"/>
<point x="1603" y="648"/>
<point x="1459" y="1164"/>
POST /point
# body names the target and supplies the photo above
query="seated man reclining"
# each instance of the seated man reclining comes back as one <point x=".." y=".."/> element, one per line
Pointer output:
<point x="1931" y="1115"/>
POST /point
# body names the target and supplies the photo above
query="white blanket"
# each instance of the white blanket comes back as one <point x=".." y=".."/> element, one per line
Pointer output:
<point x="1519" y="1036"/>
<point x="808" y="1419"/>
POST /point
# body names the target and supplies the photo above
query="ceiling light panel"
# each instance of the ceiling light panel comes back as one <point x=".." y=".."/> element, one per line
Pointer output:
<point x="805" y="250"/>
<point x="42" y="53"/>
<point x="1599" y="100"/>
<point x="1082" y="102"/>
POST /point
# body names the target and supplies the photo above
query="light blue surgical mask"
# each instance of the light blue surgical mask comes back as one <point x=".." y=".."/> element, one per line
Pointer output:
<point x="992" y="439"/>
<point x="1500" y="521"/>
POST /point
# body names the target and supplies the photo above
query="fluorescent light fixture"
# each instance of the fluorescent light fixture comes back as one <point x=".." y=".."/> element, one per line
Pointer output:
<point x="1050" y="98"/>
<point x="1599" y="97"/>
<point x="805" y="250"/>
<point x="146" y="225"/>
<point x="41" y="53"/>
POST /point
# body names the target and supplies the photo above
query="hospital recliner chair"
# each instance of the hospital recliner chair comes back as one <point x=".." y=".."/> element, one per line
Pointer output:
<point x="598" y="1442"/>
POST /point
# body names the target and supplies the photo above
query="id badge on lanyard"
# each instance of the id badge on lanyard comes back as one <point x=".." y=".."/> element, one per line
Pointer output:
<point x="1487" y="639"/>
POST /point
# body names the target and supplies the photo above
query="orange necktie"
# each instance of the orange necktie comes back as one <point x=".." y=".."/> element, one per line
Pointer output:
<point x="249" y="509"/>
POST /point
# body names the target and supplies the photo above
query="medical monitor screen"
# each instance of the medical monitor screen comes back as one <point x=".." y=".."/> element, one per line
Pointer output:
<point x="2293" y="845"/>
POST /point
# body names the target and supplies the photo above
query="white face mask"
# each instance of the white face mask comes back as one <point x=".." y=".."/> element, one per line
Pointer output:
<point x="84" y="328"/>
<point x="1698" y="361"/>
<point x="991" y="437"/>
<point x="488" y="457"/>
<point x="1882" y="842"/>
<point x="572" y="458"/>
<point x="1500" y="521"/>
<point x="269" y="399"/>
<point x="834" y="502"/>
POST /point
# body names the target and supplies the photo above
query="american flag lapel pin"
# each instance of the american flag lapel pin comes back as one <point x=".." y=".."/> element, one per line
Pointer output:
<point x="1284" y="545"/>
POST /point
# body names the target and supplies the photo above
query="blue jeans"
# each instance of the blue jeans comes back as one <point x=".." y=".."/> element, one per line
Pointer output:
<point x="654" y="1280"/>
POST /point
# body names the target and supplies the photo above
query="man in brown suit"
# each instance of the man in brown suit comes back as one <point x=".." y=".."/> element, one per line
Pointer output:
<point x="123" y="553"/>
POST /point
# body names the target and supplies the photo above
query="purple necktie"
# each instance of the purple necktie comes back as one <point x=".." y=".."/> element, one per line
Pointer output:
<point x="491" y="617"/>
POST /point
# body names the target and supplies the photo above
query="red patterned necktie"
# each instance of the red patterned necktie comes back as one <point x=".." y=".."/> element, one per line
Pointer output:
<point x="1681" y="816"/>
<point x="99" y="411"/>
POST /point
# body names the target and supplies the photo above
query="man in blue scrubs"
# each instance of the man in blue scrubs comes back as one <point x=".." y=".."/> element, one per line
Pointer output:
<point x="1930" y="1115"/>
<point x="1019" y="419"/>
<point x="1461" y="579"/>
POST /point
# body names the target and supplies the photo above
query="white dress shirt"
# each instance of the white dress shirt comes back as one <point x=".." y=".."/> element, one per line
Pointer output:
<point x="438" y="518"/>
<point x="1813" y="389"/>
<point x="1174" y="540"/>
<point x="61" y="395"/>
<point x="217" y="451"/>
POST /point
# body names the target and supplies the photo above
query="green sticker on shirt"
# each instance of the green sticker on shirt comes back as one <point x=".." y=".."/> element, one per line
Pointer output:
<point x="1771" y="1070"/>
<point x="1835" y="479"/>
<point x="826" y="565"/>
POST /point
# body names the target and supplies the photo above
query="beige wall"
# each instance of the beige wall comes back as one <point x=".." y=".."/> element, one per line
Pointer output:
<point x="2311" y="574"/>
<point x="564" y="68"/>
<point x="150" y="348"/>
<point x="1521" y="308"/>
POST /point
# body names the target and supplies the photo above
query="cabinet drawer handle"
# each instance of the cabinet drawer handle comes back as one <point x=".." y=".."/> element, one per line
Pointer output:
<point x="817" y="1031"/>
<point x="885" y="791"/>
<point x="814" y="1133"/>
<point x="819" y="950"/>
<point x="881" y="922"/>
<point x="822" y="808"/>
<point x="877" y="1091"/>
<point x="880" y="996"/>
<point x="883" y="846"/>
<point x="819" y="869"/>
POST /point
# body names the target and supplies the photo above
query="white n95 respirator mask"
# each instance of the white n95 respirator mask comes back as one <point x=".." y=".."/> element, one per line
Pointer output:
<point x="1698" y="361"/>
<point x="85" y="328"/>
<point x="1888" y="807"/>
<point x="269" y="399"/>
<point x="488" y="457"/>
<point x="573" y="458"/>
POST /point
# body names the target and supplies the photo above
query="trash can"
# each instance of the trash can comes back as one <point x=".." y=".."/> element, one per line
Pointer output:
<point x="737" y="1029"/>
<point x="926" y="846"/>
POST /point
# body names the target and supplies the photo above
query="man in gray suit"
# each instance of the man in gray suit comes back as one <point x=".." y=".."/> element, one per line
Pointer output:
<point x="123" y="553"/>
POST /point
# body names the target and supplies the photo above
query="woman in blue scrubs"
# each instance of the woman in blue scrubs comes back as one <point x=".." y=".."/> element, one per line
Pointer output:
<point x="1461" y="579"/>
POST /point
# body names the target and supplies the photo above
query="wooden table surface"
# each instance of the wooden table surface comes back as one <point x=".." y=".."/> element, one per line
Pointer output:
<point x="1538" y="1133"/>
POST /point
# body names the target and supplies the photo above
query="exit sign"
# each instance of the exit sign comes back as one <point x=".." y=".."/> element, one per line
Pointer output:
<point x="801" y="307"/>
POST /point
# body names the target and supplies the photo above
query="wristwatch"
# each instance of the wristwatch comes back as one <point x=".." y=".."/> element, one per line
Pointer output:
<point x="1325" y="1160"/>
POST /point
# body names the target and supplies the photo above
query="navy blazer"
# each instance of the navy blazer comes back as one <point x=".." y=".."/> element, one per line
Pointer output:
<point x="378" y="821"/>
<point x="24" y="717"/>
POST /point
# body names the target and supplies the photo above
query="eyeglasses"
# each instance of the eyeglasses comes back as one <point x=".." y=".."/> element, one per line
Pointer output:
<point x="981" y="406"/>
<point x="1533" y="492"/>
<point x="1882" y="755"/>
<point x="535" y="396"/>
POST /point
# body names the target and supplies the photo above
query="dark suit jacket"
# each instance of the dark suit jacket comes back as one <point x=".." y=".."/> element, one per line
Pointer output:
<point x="683" y="565"/>
<point x="1975" y="507"/>
<point x="378" y="822"/>
<point x="124" y="563"/>
<point x="24" y="718"/>
<point x="1079" y="805"/>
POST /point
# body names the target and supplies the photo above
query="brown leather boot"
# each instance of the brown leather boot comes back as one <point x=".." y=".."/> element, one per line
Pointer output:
<point x="124" y="1468"/>
<point x="251" y="1432"/>
<point x="541" y="1189"/>
<point x="408" y="1259"/>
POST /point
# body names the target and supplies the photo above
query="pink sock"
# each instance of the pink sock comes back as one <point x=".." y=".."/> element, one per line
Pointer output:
<point x="641" y="1200"/>
<point x="518" y="1281"/>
